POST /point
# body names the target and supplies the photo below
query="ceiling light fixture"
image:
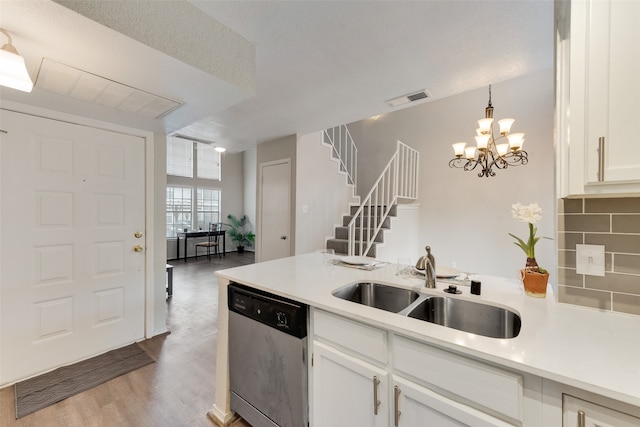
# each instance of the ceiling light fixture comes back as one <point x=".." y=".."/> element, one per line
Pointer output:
<point x="487" y="152"/>
<point x="13" y="71"/>
<point x="220" y="149"/>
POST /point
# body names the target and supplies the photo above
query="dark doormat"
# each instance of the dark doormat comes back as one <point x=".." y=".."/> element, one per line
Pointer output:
<point x="44" y="390"/>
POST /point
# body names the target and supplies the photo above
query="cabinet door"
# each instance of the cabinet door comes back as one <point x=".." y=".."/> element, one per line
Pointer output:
<point x="581" y="413"/>
<point x="415" y="405"/>
<point x="612" y="89"/>
<point x="343" y="390"/>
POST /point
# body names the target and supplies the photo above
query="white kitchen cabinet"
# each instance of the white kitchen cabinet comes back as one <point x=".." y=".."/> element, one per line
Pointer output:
<point x="581" y="413"/>
<point x="603" y="99"/>
<point x="415" y="405"/>
<point x="347" y="391"/>
<point x="474" y="383"/>
<point x="353" y="362"/>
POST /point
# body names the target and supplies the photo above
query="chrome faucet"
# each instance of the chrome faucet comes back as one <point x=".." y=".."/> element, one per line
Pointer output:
<point x="430" y="270"/>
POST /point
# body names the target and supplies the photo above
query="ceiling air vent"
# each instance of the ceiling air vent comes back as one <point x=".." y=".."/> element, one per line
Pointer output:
<point x="70" y="81"/>
<point x="411" y="97"/>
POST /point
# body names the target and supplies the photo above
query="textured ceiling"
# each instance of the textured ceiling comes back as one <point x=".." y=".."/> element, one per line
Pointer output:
<point x="317" y="63"/>
<point x="138" y="56"/>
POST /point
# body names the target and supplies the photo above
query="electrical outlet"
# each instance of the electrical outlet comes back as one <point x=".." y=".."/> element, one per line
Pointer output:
<point x="590" y="260"/>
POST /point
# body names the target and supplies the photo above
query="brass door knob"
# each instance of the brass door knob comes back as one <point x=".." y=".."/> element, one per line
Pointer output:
<point x="138" y="234"/>
<point x="137" y="248"/>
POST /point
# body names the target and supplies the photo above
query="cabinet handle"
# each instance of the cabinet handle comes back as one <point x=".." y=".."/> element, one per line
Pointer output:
<point x="376" y="401"/>
<point x="581" y="422"/>
<point x="601" y="159"/>
<point x="396" y="408"/>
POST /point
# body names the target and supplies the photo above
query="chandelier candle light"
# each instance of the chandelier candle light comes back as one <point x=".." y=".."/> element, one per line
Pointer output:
<point x="488" y="152"/>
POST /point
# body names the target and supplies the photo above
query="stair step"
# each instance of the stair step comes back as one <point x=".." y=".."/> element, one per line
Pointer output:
<point x="392" y="212"/>
<point x="343" y="233"/>
<point x="386" y="224"/>
<point x="341" y="247"/>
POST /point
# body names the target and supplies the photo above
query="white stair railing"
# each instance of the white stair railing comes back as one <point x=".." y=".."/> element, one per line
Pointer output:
<point x="399" y="179"/>
<point x="344" y="149"/>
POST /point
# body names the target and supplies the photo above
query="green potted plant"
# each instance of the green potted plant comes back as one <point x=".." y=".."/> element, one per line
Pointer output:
<point x="237" y="232"/>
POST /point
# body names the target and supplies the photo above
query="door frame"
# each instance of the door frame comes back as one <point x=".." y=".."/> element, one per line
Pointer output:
<point x="154" y="292"/>
<point x="261" y="167"/>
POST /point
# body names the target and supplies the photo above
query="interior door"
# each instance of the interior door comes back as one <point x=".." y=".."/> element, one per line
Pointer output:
<point x="72" y="222"/>
<point x="275" y="210"/>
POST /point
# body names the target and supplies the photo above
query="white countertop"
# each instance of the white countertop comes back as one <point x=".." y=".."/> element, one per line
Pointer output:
<point x="594" y="350"/>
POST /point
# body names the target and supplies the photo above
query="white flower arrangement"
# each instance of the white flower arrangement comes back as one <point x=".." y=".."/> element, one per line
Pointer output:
<point x="530" y="214"/>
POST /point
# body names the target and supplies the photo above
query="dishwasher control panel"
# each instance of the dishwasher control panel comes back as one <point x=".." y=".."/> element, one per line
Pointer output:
<point x="280" y="313"/>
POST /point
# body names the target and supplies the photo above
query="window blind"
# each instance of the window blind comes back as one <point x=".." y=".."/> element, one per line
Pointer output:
<point x="179" y="157"/>
<point x="208" y="162"/>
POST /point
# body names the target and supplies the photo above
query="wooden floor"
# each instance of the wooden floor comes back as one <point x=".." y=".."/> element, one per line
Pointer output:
<point x="178" y="389"/>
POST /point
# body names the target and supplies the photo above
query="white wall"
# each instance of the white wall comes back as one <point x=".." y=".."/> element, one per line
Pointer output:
<point x="157" y="236"/>
<point x="250" y="182"/>
<point x="402" y="238"/>
<point x="322" y="195"/>
<point x="464" y="218"/>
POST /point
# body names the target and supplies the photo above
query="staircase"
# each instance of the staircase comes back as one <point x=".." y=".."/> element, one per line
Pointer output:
<point x="364" y="227"/>
<point x="344" y="150"/>
<point x="340" y="244"/>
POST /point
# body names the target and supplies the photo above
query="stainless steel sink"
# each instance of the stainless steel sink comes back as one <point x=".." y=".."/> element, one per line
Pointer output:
<point x="463" y="315"/>
<point x="377" y="295"/>
<point x="468" y="316"/>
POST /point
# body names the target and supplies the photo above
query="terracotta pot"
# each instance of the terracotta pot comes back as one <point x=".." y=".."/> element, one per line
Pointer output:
<point x="535" y="284"/>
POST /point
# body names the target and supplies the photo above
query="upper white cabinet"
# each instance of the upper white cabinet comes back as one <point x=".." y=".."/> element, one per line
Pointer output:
<point x="599" y="97"/>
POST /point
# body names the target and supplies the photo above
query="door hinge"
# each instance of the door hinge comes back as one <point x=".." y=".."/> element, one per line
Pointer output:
<point x="311" y="359"/>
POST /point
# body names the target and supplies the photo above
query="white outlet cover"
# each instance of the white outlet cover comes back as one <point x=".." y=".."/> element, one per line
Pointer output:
<point x="590" y="260"/>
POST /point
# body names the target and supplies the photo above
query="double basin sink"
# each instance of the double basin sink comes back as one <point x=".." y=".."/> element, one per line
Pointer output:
<point x="468" y="316"/>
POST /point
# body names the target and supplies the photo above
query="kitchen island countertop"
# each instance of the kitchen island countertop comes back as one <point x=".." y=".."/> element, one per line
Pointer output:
<point x="595" y="350"/>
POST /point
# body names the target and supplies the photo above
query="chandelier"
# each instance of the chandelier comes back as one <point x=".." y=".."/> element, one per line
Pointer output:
<point x="489" y="152"/>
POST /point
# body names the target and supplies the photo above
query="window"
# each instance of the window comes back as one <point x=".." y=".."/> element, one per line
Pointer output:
<point x="180" y="159"/>
<point x="193" y="169"/>
<point x="179" y="209"/>
<point x="208" y="202"/>
<point x="208" y="162"/>
<point x="181" y="204"/>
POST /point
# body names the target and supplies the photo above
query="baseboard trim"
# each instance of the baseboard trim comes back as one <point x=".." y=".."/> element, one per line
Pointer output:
<point x="222" y="418"/>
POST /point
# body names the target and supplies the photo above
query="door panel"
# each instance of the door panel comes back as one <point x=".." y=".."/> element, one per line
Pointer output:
<point x="343" y="390"/>
<point x="71" y="284"/>
<point x="275" y="211"/>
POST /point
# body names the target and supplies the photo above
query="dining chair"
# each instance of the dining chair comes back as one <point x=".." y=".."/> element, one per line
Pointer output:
<point x="212" y="241"/>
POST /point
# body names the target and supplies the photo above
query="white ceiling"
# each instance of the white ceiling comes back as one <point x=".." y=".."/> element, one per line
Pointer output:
<point x="318" y="63"/>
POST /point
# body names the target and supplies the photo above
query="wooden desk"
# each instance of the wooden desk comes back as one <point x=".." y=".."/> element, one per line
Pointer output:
<point x="186" y="235"/>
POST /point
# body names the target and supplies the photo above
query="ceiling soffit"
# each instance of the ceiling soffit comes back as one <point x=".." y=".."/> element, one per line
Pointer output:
<point x="180" y="30"/>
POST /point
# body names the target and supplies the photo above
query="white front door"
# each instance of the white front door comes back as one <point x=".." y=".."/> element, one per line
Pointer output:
<point x="72" y="213"/>
<point x="275" y="210"/>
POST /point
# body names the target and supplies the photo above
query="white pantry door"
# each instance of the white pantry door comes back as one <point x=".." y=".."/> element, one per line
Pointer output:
<point x="72" y="204"/>
<point x="275" y="210"/>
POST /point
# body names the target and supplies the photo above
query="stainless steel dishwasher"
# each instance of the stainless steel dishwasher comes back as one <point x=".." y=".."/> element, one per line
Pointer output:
<point x="267" y="358"/>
